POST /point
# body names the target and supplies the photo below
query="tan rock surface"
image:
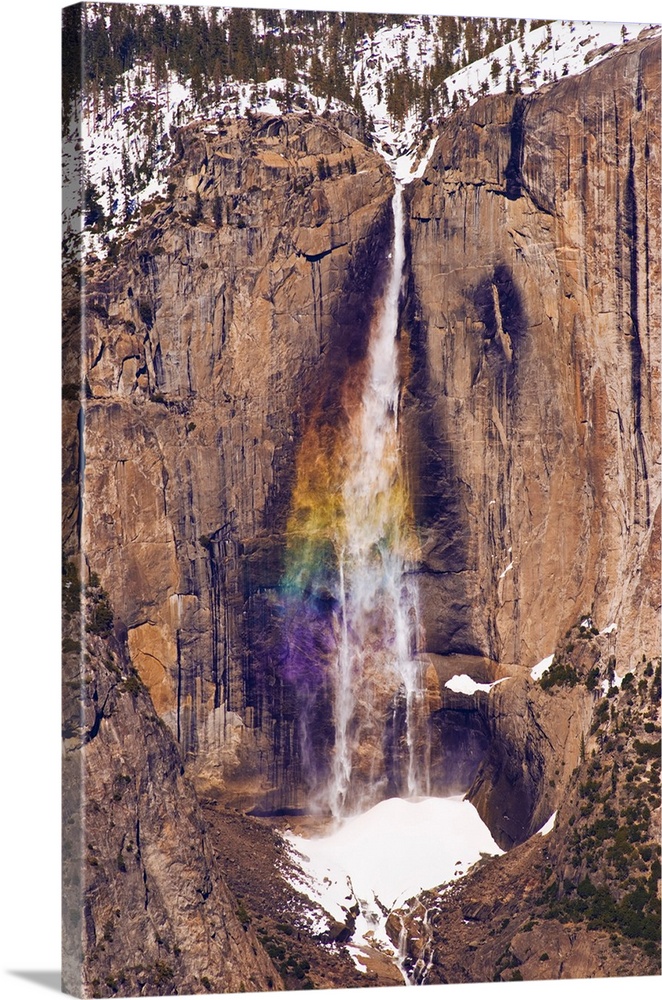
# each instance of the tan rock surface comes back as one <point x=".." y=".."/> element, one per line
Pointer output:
<point x="583" y="900"/>
<point x="534" y="408"/>
<point x="239" y="304"/>
<point x="146" y="910"/>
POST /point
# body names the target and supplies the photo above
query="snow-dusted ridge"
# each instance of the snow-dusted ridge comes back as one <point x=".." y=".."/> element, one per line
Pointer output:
<point x="562" y="48"/>
<point x="120" y="153"/>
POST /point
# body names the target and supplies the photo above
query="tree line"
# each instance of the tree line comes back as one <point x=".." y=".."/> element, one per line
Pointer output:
<point x="210" y="46"/>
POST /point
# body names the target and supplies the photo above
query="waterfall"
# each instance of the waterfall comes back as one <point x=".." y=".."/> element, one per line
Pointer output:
<point x="376" y="600"/>
<point x="354" y="625"/>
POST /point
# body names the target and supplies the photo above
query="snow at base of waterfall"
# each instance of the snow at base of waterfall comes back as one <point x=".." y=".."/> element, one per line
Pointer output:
<point x="384" y="857"/>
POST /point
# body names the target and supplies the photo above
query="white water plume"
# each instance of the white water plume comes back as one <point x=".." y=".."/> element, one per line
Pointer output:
<point x="378" y="615"/>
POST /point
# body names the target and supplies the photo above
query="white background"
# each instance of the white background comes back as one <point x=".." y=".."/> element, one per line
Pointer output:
<point x="29" y="495"/>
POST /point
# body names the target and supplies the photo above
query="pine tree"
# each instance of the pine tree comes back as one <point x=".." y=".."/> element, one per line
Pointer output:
<point x="71" y="62"/>
<point x="316" y="75"/>
<point x="93" y="212"/>
<point x="240" y="45"/>
<point x="290" y="73"/>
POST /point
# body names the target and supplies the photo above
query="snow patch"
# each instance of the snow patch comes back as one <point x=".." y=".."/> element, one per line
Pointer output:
<point x="506" y="570"/>
<point x="542" y="667"/>
<point x="386" y="856"/>
<point x="548" y="826"/>
<point x="463" y="684"/>
<point x="408" y="166"/>
<point x="616" y="682"/>
<point x="609" y="629"/>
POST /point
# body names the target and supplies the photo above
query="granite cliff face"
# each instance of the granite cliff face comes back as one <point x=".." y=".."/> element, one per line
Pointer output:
<point x="530" y="416"/>
<point x="534" y="407"/>
<point x="582" y="899"/>
<point x="146" y="910"/>
<point x="234" y="314"/>
<point x="226" y="329"/>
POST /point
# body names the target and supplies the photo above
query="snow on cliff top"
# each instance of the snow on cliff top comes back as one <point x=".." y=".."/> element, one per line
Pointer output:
<point x="561" y="48"/>
<point x="132" y="139"/>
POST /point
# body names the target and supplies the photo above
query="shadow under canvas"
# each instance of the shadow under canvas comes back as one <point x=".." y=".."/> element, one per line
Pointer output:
<point x="50" y="979"/>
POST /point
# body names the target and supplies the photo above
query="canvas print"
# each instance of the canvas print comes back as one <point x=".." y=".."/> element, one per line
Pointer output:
<point x="361" y="499"/>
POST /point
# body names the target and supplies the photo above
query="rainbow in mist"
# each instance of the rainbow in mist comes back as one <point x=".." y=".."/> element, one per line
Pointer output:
<point x="350" y="600"/>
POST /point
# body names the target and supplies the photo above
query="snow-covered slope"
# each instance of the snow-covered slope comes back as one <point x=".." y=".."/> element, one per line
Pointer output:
<point x="117" y="160"/>
<point x="562" y="48"/>
<point x="376" y="861"/>
<point x="123" y="151"/>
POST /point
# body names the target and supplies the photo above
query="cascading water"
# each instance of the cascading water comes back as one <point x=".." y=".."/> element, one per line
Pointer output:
<point x="353" y="679"/>
<point x="353" y="616"/>
<point x="377" y="601"/>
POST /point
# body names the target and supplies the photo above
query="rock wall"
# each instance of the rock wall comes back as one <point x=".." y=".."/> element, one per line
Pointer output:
<point x="530" y="410"/>
<point x="533" y="408"/>
<point x="234" y="313"/>
<point x="146" y="910"/>
<point x="582" y="899"/>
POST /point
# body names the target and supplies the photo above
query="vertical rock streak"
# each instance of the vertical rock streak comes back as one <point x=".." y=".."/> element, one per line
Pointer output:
<point x="352" y="617"/>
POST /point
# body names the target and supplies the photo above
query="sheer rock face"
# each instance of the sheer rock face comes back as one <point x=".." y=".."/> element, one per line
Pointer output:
<point x="530" y="414"/>
<point x="241" y="302"/>
<point x="560" y="905"/>
<point x="533" y="413"/>
<point x="145" y="907"/>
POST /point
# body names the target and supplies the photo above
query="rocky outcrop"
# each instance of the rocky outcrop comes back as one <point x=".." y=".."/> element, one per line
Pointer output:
<point x="533" y="408"/>
<point x="232" y="315"/>
<point x="146" y="910"/>
<point x="581" y="900"/>
<point x="536" y="729"/>
<point x="514" y="743"/>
